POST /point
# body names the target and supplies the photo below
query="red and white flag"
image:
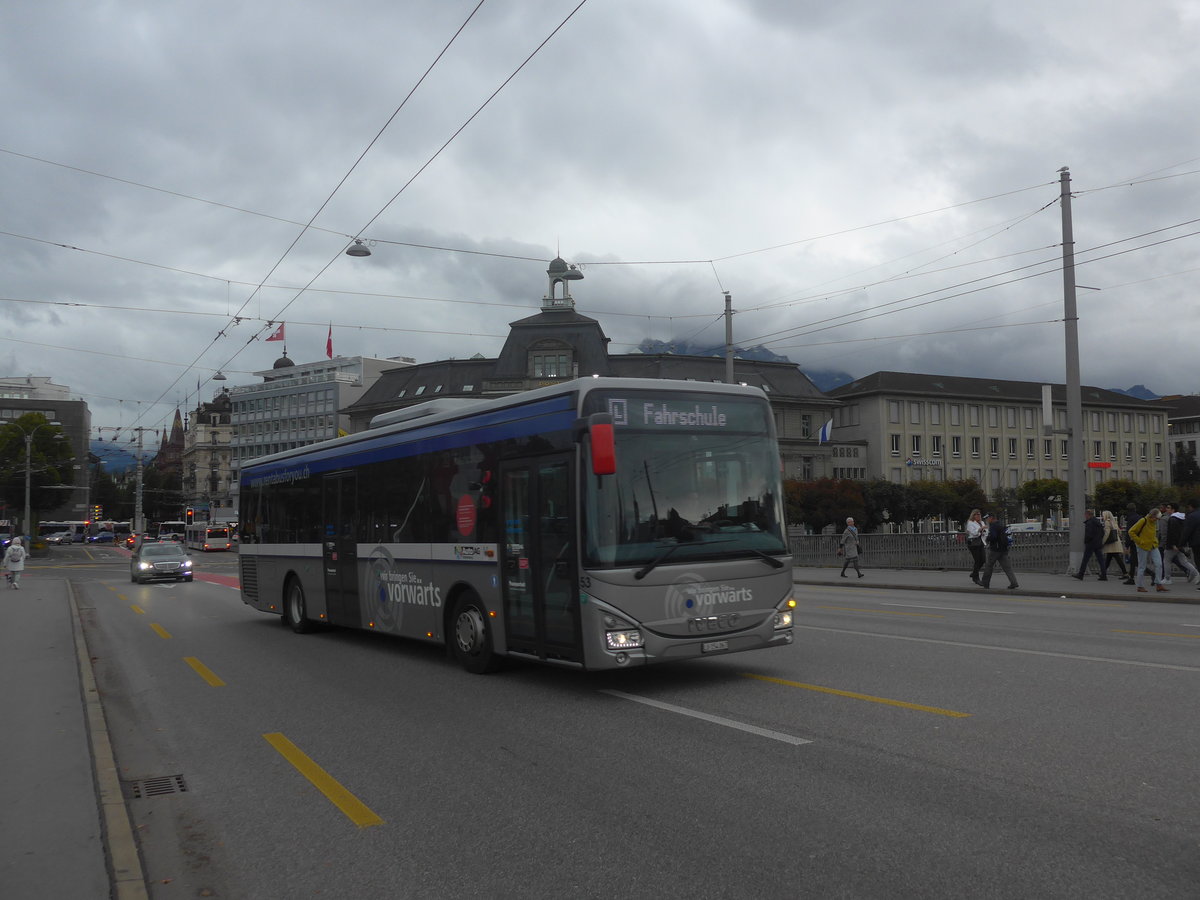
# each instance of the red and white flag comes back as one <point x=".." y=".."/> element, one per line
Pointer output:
<point x="329" y="342"/>
<point x="277" y="334"/>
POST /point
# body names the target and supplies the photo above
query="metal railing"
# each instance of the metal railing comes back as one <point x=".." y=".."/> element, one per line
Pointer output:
<point x="1032" y="551"/>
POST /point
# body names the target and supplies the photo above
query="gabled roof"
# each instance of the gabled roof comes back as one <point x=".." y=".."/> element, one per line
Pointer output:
<point x="1180" y="406"/>
<point x="957" y="386"/>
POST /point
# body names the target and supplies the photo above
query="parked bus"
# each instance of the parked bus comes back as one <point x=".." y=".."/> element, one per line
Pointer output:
<point x="600" y="523"/>
<point x="171" y="531"/>
<point x="207" y="537"/>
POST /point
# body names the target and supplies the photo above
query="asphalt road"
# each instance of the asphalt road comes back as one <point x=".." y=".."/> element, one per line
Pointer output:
<point x="909" y="744"/>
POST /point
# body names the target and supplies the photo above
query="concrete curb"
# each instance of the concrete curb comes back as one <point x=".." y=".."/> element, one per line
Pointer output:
<point x="128" y="877"/>
<point x="1155" y="597"/>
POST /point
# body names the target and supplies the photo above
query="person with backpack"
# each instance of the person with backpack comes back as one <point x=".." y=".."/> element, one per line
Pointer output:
<point x="1093" y="544"/>
<point x="1144" y="535"/>
<point x="999" y="540"/>
<point x="14" y="561"/>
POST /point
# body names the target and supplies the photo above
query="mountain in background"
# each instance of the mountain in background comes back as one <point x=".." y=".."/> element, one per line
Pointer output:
<point x="687" y="348"/>
<point x="117" y="457"/>
<point x="827" y="381"/>
<point x="1140" y="391"/>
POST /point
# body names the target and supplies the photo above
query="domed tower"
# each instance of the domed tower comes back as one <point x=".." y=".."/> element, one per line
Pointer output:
<point x="560" y="273"/>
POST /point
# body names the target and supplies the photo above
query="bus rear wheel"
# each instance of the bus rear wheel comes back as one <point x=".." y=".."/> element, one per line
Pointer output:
<point x="295" y="610"/>
<point x="471" y="637"/>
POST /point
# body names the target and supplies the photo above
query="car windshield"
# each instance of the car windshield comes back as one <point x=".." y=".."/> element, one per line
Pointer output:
<point x="165" y="550"/>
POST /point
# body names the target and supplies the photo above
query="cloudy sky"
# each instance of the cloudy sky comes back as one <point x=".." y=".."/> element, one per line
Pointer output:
<point x="875" y="183"/>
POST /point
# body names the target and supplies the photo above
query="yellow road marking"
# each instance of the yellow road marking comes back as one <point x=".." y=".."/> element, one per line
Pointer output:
<point x="852" y="695"/>
<point x="204" y="671"/>
<point x="1157" y="633"/>
<point x="355" y="810"/>
<point x="137" y="609"/>
<point x="162" y="632"/>
<point x="883" y="612"/>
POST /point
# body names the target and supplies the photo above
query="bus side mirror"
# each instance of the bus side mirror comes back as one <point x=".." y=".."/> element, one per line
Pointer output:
<point x="599" y="427"/>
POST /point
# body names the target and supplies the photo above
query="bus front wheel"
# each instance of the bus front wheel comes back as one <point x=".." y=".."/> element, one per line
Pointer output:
<point x="471" y="637"/>
<point x="295" y="611"/>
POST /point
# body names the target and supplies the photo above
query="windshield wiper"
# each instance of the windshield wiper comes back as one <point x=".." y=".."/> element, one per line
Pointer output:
<point x="653" y="564"/>
<point x="767" y="558"/>
<point x="649" y="567"/>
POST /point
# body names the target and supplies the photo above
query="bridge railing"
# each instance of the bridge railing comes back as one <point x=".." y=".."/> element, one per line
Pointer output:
<point x="1033" y="551"/>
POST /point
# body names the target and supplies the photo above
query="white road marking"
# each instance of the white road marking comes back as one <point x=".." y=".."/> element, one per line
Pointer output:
<point x="998" y="612"/>
<point x="1104" y="659"/>
<point x="716" y="720"/>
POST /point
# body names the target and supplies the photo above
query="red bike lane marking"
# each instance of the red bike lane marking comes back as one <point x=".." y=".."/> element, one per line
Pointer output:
<point x="227" y="580"/>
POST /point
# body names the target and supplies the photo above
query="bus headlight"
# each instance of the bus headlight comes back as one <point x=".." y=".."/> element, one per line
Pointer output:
<point x="624" y="640"/>
<point x="783" y="619"/>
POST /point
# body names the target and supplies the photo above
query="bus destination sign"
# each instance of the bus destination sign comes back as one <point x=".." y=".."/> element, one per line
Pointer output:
<point x="685" y="412"/>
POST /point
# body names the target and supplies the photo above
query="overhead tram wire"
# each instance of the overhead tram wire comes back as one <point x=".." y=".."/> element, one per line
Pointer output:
<point x="313" y="218"/>
<point x="428" y="162"/>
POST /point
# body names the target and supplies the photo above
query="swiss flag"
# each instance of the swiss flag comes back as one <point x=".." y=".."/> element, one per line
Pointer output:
<point x="277" y="334"/>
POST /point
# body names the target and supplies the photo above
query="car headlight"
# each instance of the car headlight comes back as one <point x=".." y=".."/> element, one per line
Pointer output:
<point x="624" y="640"/>
<point x="187" y="563"/>
<point x="145" y="565"/>
<point x="783" y="619"/>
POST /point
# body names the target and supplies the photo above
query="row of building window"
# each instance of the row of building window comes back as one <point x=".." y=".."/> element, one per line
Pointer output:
<point x="996" y="476"/>
<point x="936" y="444"/>
<point x="1029" y="417"/>
<point x="312" y="400"/>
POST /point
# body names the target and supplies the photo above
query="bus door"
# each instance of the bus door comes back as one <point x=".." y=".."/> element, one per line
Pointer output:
<point x="539" y="583"/>
<point x="340" y="548"/>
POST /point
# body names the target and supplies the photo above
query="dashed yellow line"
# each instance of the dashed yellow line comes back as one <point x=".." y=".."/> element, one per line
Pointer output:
<point x="354" y="809"/>
<point x="204" y="671"/>
<point x="855" y="696"/>
<point x="137" y="609"/>
<point x="160" y="631"/>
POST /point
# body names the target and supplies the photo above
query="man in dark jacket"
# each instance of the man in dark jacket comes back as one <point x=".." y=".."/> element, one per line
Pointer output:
<point x="997" y="553"/>
<point x="1191" y="528"/>
<point x="1093" y="544"/>
<point x="1172" y="547"/>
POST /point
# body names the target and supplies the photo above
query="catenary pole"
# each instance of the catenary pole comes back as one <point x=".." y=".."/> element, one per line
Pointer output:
<point x="1076" y="487"/>
<point x="728" y="338"/>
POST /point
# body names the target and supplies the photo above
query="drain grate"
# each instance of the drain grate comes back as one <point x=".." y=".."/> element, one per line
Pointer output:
<point x="155" y="787"/>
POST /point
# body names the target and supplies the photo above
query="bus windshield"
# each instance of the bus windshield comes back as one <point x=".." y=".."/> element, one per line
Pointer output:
<point x="697" y="477"/>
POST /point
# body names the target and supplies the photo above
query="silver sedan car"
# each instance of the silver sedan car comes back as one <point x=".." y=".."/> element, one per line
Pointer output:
<point x="152" y="562"/>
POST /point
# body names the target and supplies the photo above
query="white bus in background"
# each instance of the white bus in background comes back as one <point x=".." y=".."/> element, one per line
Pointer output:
<point x="205" y="536"/>
<point x="172" y="531"/>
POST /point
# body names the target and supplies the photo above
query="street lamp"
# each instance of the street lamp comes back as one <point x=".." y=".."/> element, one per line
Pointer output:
<point x="28" y="468"/>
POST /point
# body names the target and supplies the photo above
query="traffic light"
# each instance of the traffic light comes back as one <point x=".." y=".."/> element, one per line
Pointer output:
<point x="188" y="515"/>
<point x="97" y="513"/>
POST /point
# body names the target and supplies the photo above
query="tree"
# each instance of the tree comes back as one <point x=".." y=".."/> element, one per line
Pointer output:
<point x="50" y="459"/>
<point x="968" y="495"/>
<point x="929" y="499"/>
<point x="880" y="496"/>
<point x="1005" y="504"/>
<point x="1185" y="470"/>
<point x="1043" y="496"/>
<point x="1122" y="497"/>
<point x="826" y="501"/>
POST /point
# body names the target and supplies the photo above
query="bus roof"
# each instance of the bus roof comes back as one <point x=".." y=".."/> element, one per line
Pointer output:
<point x="448" y="409"/>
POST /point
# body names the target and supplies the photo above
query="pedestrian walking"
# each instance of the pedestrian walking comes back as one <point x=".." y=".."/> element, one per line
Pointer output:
<point x="1172" y="550"/>
<point x="849" y="550"/>
<point x="1144" y="535"/>
<point x="976" y="531"/>
<point x="1093" y="544"/>
<point x="14" y="562"/>
<point x="1191" y="528"/>
<point x="1114" y="547"/>
<point x="997" y="553"/>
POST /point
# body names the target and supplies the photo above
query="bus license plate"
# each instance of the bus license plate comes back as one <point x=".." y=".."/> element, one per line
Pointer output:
<point x="710" y="646"/>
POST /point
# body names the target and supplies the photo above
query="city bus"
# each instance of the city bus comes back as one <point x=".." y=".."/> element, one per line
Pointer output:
<point x="597" y="524"/>
<point x="205" y="536"/>
<point x="171" y="531"/>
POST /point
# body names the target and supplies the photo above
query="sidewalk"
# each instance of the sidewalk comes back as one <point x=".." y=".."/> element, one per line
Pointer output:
<point x="64" y="815"/>
<point x="1032" y="584"/>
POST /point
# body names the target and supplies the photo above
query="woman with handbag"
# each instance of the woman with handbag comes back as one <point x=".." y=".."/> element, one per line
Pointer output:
<point x="849" y="548"/>
<point x="976" y="530"/>
<point x="1113" y="547"/>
